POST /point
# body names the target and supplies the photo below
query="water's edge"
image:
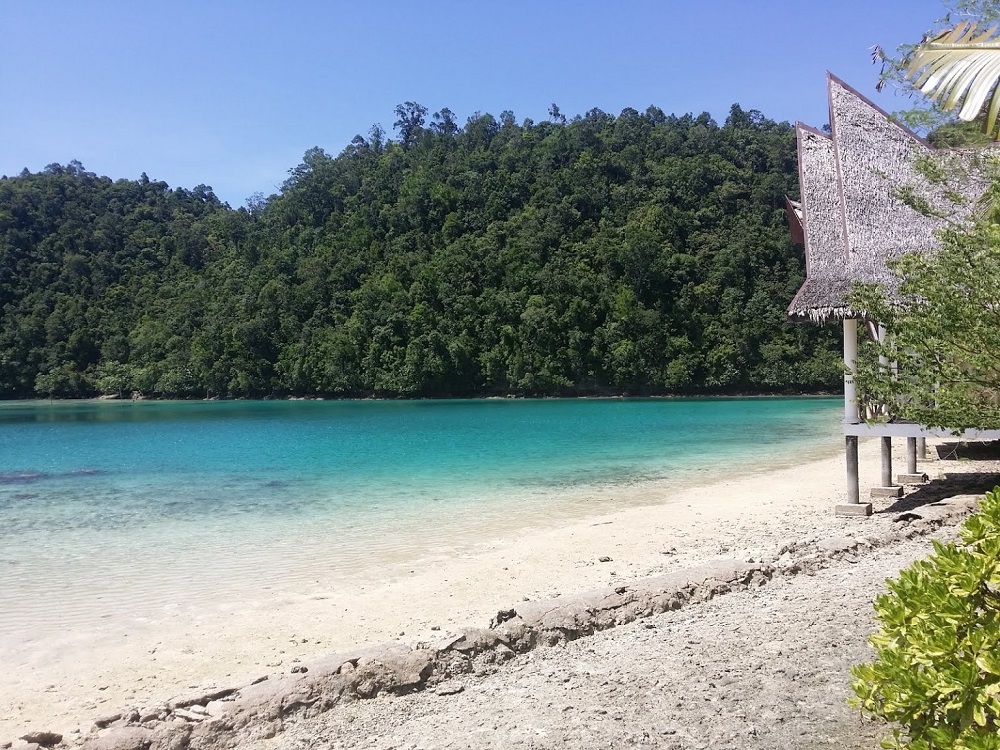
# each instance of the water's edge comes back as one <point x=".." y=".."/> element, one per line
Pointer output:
<point x="104" y="503"/>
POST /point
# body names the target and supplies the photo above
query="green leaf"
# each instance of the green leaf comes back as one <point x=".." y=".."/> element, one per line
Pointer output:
<point x="960" y="67"/>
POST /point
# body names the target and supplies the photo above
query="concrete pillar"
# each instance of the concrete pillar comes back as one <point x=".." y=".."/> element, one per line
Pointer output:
<point x="887" y="462"/>
<point x="853" y="506"/>
<point x="853" y="481"/>
<point x="921" y="447"/>
<point x="850" y="361"/>
<point x="911" y="476"/>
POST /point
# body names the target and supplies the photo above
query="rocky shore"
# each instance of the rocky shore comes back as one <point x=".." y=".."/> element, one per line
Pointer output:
<point x="762" y="669"/>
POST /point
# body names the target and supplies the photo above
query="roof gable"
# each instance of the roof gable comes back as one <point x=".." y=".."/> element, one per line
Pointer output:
<point x="855" y="215"/>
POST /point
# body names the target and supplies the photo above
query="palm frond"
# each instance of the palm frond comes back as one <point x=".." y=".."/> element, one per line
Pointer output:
<point x="960" y="68"/>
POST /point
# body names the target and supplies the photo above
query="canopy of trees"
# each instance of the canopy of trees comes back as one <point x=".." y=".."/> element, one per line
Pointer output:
<point x="642" y="253"/>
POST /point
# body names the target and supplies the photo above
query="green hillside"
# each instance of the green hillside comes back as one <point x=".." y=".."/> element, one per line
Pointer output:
<point x="642" y="253"/>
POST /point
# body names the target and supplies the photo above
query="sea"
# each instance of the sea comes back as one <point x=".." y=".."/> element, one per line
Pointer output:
<point x="106" y="504"/>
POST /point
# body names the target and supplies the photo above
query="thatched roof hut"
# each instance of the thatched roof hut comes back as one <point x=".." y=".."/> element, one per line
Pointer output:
<point x="871" y="191"/>
<point x="860" y="185"/>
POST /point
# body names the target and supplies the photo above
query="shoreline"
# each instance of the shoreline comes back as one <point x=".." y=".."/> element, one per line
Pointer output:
<point x="609" y="395"/>
<point x="64" y="683"/>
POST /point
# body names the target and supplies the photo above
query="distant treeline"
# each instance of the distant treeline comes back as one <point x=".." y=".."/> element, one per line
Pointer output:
<point x="642" y="253"/>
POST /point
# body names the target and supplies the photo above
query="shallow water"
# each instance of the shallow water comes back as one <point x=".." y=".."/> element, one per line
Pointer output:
<point x="157" y="505"/>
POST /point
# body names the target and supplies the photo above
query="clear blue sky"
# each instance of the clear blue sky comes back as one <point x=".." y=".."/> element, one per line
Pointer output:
<point x="231" y="94"/>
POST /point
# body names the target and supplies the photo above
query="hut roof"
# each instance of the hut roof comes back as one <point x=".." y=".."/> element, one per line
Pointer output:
<point x="855" y="214"/>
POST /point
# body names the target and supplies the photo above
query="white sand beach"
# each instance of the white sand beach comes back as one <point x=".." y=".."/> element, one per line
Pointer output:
<point x="64" y="680"/>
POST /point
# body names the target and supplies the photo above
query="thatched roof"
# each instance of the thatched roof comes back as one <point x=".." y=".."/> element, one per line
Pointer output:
<point x="855" y="213"/>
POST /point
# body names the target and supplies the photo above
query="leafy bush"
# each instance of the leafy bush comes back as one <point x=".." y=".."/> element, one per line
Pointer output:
<point x="937" y="675"/>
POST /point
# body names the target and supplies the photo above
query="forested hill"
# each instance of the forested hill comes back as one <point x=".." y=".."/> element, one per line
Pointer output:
<point x="642" y="253"/>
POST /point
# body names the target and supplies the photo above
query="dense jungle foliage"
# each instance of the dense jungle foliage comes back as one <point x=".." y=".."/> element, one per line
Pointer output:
<point x="642" y="253"/>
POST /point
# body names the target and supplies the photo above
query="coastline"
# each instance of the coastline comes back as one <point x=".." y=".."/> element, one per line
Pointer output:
<point x="608" y="393"/>
<point x="63" y="683"/>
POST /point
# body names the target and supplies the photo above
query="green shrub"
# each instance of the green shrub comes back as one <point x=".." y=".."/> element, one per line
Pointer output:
<point x="937" y="673"/>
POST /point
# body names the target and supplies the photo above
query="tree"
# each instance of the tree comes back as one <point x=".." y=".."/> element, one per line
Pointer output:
<point x="955" y="66"/>
<point x="960" y="68"/>
<point x="444" y="122"/>
<point x="411" y="121"/>
<point x="944" y="345"/>
<point x="114" y="378"/>
<point x="551" y="258"/>
<point x="937" y="668"/>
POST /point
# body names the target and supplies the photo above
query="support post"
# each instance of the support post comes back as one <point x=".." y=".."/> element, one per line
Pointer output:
<point x="853" y="481"/>
<point x="850" y="362"/>
<point x="886" y="461"/>
<point x="853" y="506"/>
<point x="922" y="448"/>
<point x="911" y="476"/>
<point x="887" y="488"/>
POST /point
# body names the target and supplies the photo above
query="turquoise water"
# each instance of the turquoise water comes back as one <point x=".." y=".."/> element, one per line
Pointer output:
<point x="114" y="501"/>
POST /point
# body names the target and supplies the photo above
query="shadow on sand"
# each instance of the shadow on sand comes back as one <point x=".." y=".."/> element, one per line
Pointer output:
<point x="983" y="463"/>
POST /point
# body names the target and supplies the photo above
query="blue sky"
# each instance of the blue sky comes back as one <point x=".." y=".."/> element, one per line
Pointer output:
<point x="231" y="94"/>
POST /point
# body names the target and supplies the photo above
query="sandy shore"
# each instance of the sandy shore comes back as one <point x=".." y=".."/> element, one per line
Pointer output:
<point x="63" y="682"/>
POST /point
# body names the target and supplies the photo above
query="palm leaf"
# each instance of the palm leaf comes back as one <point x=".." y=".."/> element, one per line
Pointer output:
<point x="960" y="67"/>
